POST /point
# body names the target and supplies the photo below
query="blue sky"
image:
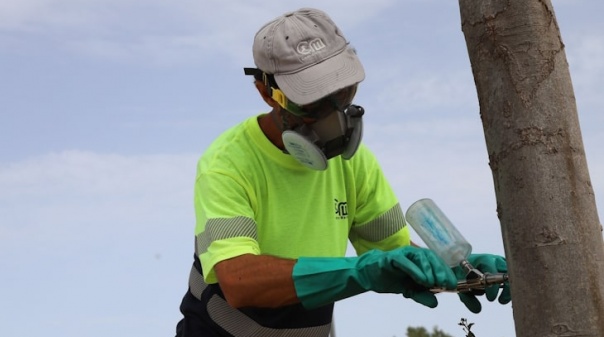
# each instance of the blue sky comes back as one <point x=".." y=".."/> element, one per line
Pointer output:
<point x="105" y="107"/>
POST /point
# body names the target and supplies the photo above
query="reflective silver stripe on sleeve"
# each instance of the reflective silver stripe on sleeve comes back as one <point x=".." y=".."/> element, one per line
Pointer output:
<point x="224" y="228"/>
<point x="383" y="226"/>
<point x="196" y="283"/>
<point x="239" y="325"/>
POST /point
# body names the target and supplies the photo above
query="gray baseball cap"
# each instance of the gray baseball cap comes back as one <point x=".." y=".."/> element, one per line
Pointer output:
<point x="307" y="54"/>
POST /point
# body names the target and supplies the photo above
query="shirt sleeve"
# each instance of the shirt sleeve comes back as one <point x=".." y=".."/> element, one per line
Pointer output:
<point x="379" y="221"/>
<point x="386" y="232"/>
<point x="225" y="225"/>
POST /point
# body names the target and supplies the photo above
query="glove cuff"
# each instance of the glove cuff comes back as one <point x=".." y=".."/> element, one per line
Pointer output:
<point x="320" y="281"/>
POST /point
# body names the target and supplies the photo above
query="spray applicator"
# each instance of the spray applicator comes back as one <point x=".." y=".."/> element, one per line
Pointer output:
<point x="441" y="236"/>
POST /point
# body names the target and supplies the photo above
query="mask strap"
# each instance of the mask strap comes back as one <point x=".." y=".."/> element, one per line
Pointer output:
<point x="274" y="92"/>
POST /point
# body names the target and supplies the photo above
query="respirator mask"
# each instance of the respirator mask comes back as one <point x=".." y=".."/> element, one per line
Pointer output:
<point x="324" y="129"/>
<point x="339" y="132"/>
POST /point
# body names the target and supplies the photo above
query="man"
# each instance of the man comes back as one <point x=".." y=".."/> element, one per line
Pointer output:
<point x="278" y="197"/>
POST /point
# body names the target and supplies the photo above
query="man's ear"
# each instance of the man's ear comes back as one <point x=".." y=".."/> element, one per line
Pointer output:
<point x="263" y="90"/>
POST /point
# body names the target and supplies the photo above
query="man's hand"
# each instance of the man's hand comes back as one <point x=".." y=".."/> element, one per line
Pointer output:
<point x="417" y="270"/>
<point x="410" y="271"/>
<point x="486" y="263"/>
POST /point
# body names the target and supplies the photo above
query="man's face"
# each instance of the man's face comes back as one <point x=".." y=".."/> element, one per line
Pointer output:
<point x="338" y="101"/>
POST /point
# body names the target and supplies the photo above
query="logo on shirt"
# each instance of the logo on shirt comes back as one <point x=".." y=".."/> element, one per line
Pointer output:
<point x="341" y="209"/>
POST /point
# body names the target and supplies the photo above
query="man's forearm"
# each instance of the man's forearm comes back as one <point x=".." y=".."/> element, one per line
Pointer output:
<point x="257" y="281"/>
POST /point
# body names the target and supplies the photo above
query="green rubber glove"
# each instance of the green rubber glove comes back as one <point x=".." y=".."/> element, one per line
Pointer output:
<point x="486" y="263"/>
<point x="410" y="271"/>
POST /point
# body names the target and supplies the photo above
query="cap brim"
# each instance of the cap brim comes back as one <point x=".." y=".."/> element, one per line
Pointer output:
<point x="322" y="79"/>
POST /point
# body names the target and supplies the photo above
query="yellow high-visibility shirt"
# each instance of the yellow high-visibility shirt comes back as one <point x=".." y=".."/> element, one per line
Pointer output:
<point x="251" y="198"/>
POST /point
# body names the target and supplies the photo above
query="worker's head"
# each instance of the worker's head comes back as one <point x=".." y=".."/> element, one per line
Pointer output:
<point x="309" y="70"/>
<point x="307" y="54"/>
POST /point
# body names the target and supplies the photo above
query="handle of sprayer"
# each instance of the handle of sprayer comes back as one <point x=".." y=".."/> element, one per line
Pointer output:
<point x="476" y="281"/>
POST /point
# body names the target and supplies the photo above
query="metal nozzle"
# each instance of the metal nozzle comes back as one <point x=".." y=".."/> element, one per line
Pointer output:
<point x="475" y="281"/>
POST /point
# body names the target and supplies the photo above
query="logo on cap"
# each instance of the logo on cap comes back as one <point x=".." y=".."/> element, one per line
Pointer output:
<point x="309" y="47"/>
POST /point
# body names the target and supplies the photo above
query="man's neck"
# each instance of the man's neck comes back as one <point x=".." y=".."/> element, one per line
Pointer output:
<point x="270" y="128"/>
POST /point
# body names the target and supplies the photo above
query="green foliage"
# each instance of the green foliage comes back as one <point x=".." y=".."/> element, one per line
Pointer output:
<point x="422" y="332"/>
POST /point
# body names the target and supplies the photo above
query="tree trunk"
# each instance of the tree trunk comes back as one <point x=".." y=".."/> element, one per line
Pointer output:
<point x="545" y="201"/>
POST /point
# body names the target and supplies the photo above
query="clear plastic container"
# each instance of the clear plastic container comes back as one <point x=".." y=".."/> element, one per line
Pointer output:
<point x="437" y="232"/>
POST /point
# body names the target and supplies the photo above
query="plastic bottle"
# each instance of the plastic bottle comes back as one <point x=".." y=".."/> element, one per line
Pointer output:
<point x="437" y="232"/>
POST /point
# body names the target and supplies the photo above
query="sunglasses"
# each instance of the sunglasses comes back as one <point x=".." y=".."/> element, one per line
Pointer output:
<point x="338" y="100"/>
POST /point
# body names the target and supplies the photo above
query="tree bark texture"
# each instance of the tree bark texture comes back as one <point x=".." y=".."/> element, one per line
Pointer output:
<point x="545" y="202"/>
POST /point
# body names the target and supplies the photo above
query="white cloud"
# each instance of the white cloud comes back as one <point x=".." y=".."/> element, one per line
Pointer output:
<point x="155" y="31"/>
<point x="427" y="91"/>
<point x="81" y="226"/>
<point x="66" y="196"/>
<point x="91" y="173"/>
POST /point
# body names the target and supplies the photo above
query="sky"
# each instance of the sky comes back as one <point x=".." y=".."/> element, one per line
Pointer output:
<point x="106" y="105"/>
